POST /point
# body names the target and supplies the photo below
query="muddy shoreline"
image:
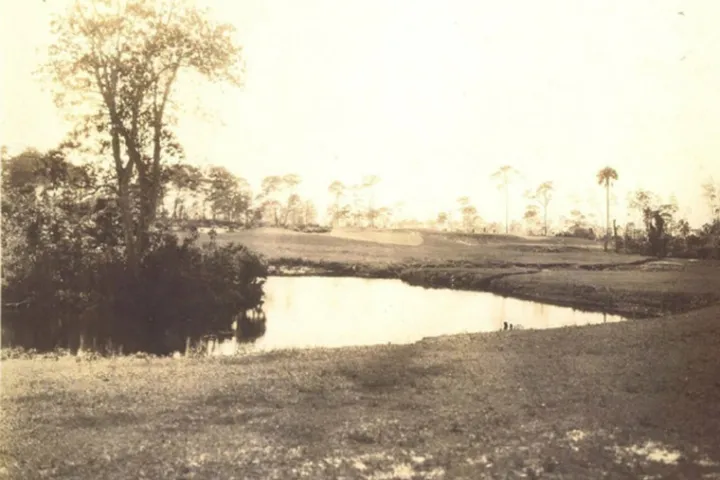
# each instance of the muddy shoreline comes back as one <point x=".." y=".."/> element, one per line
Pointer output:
<point x="521" y="281"/>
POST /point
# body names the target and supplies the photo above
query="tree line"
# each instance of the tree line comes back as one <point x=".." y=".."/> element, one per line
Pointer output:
<point x="216" y="195"/>
<point x="656" y="229"/>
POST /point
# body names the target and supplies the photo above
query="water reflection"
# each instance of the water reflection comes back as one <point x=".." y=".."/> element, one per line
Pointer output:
<point x="335" y="312"/>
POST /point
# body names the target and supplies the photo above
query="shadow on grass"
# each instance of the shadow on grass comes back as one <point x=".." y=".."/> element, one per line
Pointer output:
<point x="101" y="420"/>
<point x="393" y="369"/>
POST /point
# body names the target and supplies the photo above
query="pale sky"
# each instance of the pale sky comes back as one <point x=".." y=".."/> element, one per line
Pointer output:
<point x="433" y="96"/>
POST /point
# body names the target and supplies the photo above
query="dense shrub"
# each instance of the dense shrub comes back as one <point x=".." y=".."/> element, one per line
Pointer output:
<point x="578" y="232"/>
<point x="66" y="277"/>
<point x="702" y="244"/>
<point x="311" y="228"/>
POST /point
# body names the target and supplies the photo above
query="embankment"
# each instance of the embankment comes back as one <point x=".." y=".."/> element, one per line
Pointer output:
<point x="628" y="289"/>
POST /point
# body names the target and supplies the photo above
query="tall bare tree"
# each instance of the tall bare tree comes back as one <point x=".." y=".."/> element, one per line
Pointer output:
<point x="114" y="64"/>
<point x="542" y="195"/>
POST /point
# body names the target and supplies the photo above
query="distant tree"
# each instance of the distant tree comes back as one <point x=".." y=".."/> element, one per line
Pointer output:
<point x="494" y="227"/>
<point x="468" y="213"/>
<point x="579" y="225"/>
<point x="278" y="198"/>
<point x="337" y="190"/>
<point x="293" y="202"/>
<point x="368" y="184"/>
<point x="398" y="213"/>
<point x="357" y="206"/>
<point x="372" y="216"/>
<point x="605" y="177"/>
<point x="442" y="219"/>
<point x="711" y="193"/>
<point x="294" y="210"/>
<point x="642" y="199"/>
<point x="309" y="212"/>
<point x="272" y="209"/>
<point x="543" y="195"/>
<point x="516" y="227"/>
<point x="271" y="206"/>
<point x="531" y="217"/>
<point x="684" y="228"/>
<point x="222" y="187"/>
<point x="384" y="216"/>
<point x="241" y="206"/>
<point x="184" y="180"/>
<point x="505" y="175"/>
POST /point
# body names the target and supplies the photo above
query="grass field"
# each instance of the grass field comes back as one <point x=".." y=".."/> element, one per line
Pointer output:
<point x="632" y="400"/>
<point x="637" y="399"/>
<point x="426" y="247"/>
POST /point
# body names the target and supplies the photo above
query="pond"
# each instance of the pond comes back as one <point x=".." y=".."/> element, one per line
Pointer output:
<point x="338" y="312"/>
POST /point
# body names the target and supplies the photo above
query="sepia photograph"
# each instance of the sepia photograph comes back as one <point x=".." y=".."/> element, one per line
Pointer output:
<point x="360" y="239"/>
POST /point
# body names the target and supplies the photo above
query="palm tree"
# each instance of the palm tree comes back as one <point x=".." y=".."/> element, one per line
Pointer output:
<point x="604" y="177"/>
<point x="505" y="173"/>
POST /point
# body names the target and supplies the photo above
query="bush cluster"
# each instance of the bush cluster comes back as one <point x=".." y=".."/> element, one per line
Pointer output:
<point x="67" y="282"/>
<point x="311" y="228"/>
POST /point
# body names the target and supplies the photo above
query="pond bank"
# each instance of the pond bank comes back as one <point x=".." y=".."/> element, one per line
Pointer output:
<point x="629" y="289"/>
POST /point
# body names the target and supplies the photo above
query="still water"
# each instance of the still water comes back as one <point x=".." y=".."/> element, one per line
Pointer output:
<point x="337" y="312"/>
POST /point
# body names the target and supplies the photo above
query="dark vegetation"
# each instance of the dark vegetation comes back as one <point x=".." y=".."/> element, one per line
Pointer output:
<point x="311" y="228"/>
<point x="66" y="276"/>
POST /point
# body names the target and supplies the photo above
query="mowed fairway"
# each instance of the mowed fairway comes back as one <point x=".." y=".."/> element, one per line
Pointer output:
<point x="634" y="400"/>
<point x="398" y="246"/>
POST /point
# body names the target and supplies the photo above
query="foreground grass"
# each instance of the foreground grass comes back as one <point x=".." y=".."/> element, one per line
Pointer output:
<point x="633" y="400"/>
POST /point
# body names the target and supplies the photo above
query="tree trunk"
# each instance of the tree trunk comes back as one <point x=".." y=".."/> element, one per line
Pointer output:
<point x="607" y="213"/>
<point x="615" y="236"/>
<point x="127" y="223"/>
<point x="507" y="209"/>
<point x="123" y="177"/>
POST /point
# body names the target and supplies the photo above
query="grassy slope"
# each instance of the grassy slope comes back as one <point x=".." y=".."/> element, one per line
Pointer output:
<point x="566" y="403"/>
<point x="630" y="291"/>
<point x="436" y="248"/>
